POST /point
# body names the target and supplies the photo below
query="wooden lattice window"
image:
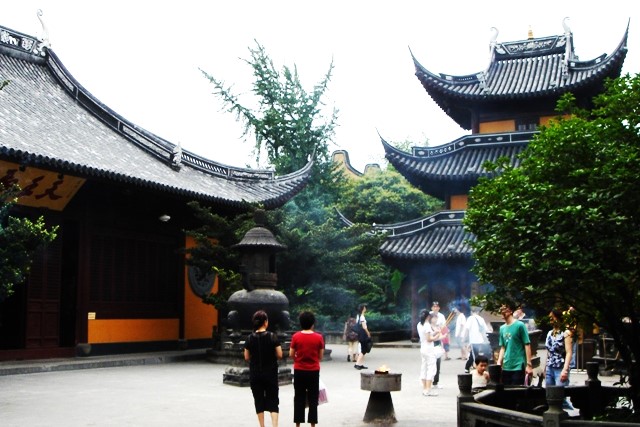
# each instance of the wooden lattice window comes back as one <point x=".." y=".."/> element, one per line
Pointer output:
<point x="527" y="124"/>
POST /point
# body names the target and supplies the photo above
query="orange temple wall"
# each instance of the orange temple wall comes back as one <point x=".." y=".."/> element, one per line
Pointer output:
<point x="199" y="319"/>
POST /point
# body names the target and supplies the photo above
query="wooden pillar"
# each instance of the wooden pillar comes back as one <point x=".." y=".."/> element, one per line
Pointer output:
<point x="414" y="306"/>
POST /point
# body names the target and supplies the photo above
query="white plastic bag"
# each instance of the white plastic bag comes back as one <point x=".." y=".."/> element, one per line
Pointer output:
<point x="322" y="393"/>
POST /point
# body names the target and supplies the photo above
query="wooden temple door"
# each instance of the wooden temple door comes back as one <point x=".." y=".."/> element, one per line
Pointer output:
<point x="42" y="323"/>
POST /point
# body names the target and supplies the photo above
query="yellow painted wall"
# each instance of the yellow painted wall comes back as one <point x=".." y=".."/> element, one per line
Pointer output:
<point x="341" y="159"/>
<point x="545" y="121"/>
<point x="498" y="126"/>
<point x="199" y="318"/>
<point x="132" y="330"/>
<point x="459" y="202"/>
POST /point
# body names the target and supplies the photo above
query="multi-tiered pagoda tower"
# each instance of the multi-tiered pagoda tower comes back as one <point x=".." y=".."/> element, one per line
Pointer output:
<point x="503" y="106"/>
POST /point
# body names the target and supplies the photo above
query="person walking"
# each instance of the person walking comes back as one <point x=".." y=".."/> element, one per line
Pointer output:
<point x="515" y="349"/>
<point x="306" y="350"/>
<point x="559" y="351"/>
<point x="476" y="330"/>
<point x="428" y="355"/>
<point x="460" y="333"/>
<point x="351" y="337"/>
<point x="364" y="337"/>
<point x="440" y="323"/>
<point x="559" y="344"/>
<point x="262" y="350"/>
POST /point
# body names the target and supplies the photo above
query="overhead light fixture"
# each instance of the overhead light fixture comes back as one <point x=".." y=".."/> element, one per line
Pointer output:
<point x="164" y="218"/>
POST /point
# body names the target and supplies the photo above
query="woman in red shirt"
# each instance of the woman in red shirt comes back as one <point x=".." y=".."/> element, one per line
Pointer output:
<point x="306" y="350"/>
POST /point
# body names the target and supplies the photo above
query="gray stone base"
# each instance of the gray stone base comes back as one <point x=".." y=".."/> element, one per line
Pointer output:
<point x="226" y="356"/>
<point x="239" y="376"/>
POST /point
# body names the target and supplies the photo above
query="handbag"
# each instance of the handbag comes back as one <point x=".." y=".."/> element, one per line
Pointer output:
<point x="366" y="345"/>
<point x="362" y="334"/>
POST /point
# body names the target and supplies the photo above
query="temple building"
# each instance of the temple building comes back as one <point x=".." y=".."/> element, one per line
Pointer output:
<point x="502" y="106"/>
<point x="115" y="279"/>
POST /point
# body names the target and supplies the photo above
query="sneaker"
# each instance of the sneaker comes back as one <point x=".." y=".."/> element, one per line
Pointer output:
<point x="360" y="367"/>
<point x="466" y="371"/>
<point x="430" y="393"/>
<point x="438" y="386"/>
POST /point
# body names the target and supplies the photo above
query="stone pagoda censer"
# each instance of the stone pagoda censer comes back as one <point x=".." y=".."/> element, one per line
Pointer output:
<point x="259" y="279"/>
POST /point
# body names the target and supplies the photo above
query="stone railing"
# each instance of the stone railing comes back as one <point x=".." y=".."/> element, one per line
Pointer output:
<point x="501" y="405"/>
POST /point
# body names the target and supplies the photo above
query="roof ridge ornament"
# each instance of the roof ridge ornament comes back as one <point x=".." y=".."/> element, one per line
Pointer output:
<point x="176" y="156"/>
<point x="493" y="41"/>
<point x="44" y="40"/>
<point x="568" y="48"/>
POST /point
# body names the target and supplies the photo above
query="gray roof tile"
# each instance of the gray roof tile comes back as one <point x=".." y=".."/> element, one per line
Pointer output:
<point x="439" y="236"/>
<point x="457" y="165"/>
<point x="527" y="69"/>
<point x="47" y="119"/>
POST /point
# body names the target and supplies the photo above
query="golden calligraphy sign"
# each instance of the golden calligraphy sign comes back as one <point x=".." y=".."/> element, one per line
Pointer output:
<point x="39" y="187"/>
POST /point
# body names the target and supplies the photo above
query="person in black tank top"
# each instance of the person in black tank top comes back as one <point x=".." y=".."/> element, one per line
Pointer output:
<point x="262" y="350"/>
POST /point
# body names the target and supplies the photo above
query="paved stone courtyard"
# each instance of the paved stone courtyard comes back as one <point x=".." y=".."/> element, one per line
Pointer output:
<point x="192" y="393"/>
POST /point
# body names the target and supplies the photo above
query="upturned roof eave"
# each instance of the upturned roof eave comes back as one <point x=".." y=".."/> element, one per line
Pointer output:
<point x="161" y="148"/>
<point x="296" y="181"/>
<point x="227" y="185"/>
<point x="439" y="87"/>
<point x="440" y="236"/>
<point x="429" y="178"/>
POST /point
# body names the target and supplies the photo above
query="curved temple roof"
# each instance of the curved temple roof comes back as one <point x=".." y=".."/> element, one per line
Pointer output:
<point x="437" y="236"/>
<point x="458" y="164"/>
<point x="49" y="120"/>
<point x="526" y="69"/>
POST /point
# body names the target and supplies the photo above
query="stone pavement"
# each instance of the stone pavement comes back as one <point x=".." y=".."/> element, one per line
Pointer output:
<point x="191" y="392"/>
<point x="142" y="390"/>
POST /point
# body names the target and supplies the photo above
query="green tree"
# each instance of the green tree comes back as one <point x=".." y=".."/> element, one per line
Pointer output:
<point x="327" y="266"/>
<point x="384" y="197"/>
<point x="20" y="239"/>
<point x="288" y="123"/>
<point x="563" y="229"/>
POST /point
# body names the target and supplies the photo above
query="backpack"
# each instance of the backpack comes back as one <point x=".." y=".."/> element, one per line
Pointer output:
<point x="352" y="330"/>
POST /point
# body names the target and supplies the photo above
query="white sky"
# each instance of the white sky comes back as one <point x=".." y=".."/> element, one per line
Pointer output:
<point x="141" y="58"/>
